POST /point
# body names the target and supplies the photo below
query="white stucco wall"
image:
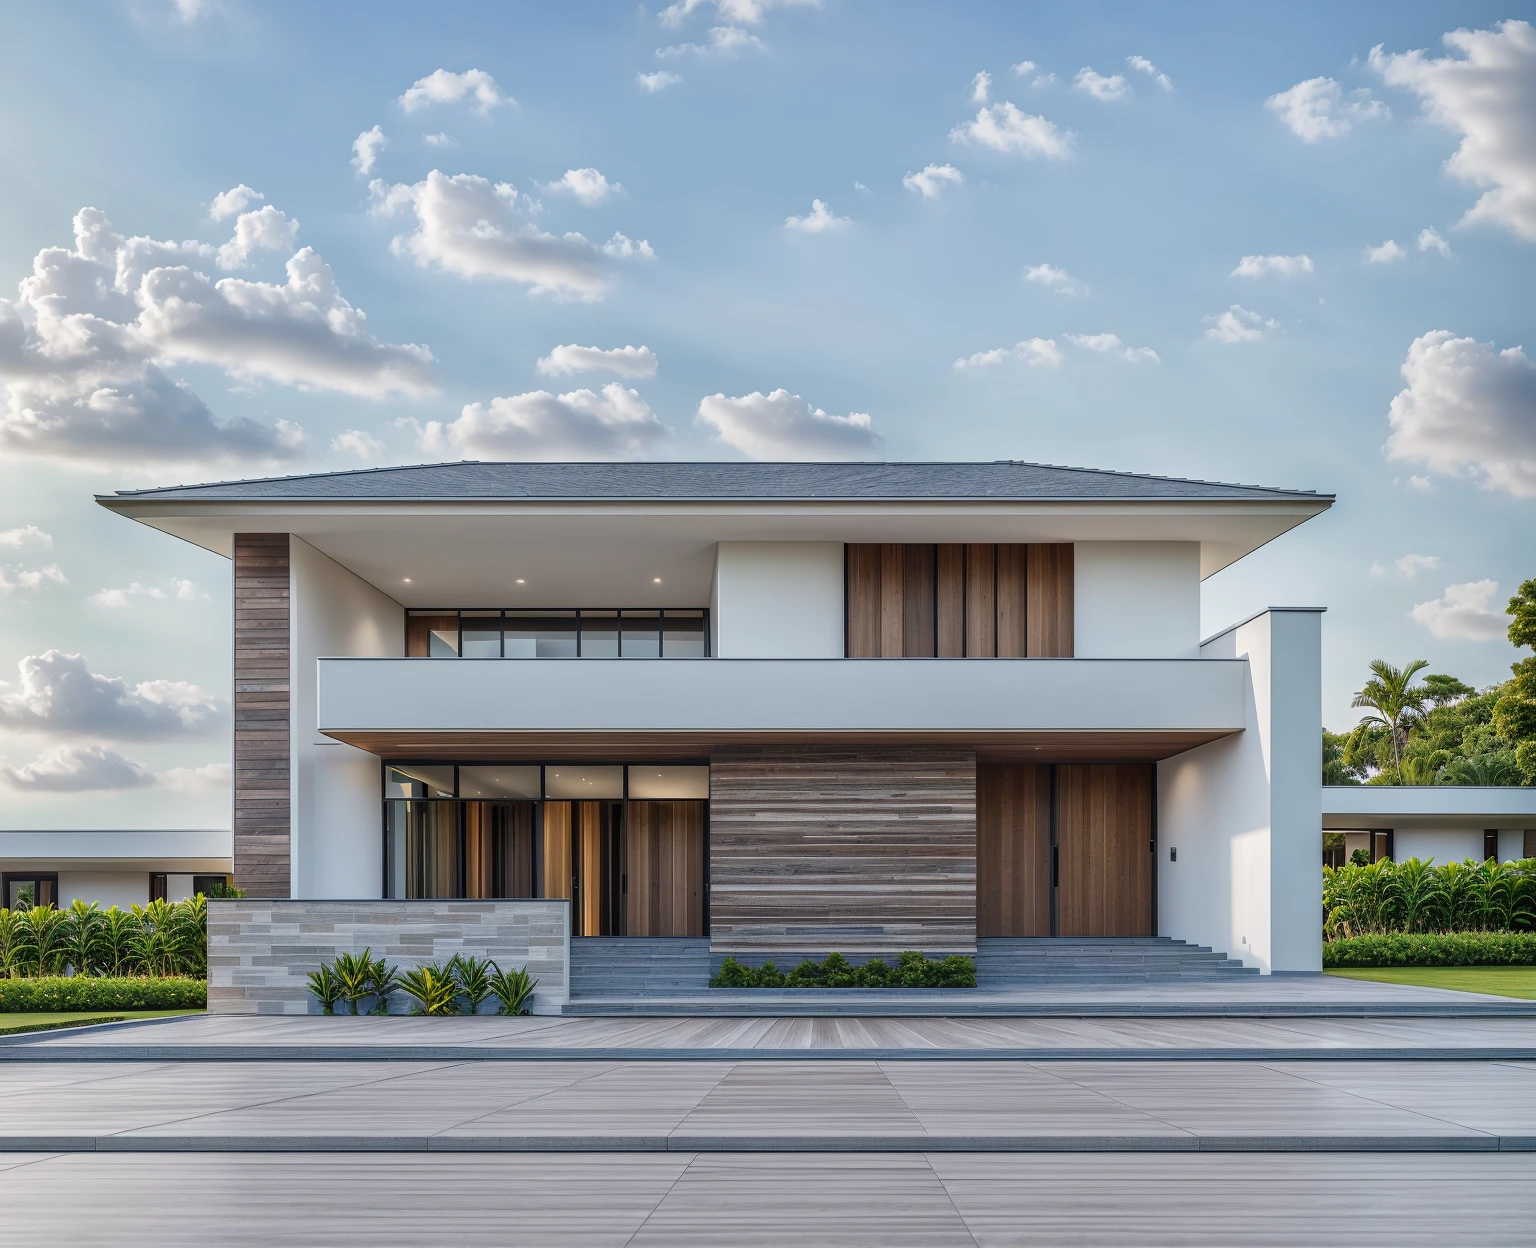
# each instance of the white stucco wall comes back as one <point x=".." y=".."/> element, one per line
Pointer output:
<point x="337" y="833"/>
<point x="778" y="600"/>
<point x="106" y="888"/>
<point x="1442" y="844"/>
<point x="1245" y="812"/>
<point x="1136" y="600"/>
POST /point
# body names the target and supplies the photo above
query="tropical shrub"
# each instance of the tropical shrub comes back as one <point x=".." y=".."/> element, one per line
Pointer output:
<point x="354" y="975"/>
<point x="326" y="987"/>
<point x="474" y="978"/>
<point x="90" y="992"/>
<point x="512" y="989"/>
<point x="433" y="988"/>
<point x="383" y="979"/>
<point x="1432" y="949"/>
<point x="1418" y="897"/>
<point x="912" y="970"/>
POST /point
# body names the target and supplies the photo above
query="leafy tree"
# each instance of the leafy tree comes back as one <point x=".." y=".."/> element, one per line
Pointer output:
<point x="1394" y="704"/>
<point x="1514" y="715"/>
<point x="1335" y="769"/>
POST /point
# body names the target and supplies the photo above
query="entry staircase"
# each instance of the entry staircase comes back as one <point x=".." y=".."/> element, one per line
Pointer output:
<point x="633" y="968"/>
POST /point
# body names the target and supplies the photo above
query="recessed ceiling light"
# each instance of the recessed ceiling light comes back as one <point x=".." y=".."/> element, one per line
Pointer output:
<point x="406" y="579"/>
<point x="520" y="581"/>
<point x="655" y="580"/>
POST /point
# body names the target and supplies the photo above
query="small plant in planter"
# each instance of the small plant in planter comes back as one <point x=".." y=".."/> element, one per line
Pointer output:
<point x="876" y="973"/>
<point x="433" y="988"/>
<point x="474" y="978"/>
<point x="325" y="984"/>
<point x="355" y="971"/>
<point x="383" y="979"/>
<point x="511" y="989"/>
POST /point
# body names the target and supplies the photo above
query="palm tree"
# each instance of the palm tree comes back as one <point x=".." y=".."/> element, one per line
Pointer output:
<point x="1394" y="704"/>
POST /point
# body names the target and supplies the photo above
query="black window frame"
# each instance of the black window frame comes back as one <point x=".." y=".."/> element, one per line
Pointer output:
<point x="22" y="877"/>
<point x="700" y="614"/>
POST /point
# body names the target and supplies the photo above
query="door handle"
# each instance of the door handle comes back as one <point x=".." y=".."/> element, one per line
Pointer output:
<point x="1055" y="866"/>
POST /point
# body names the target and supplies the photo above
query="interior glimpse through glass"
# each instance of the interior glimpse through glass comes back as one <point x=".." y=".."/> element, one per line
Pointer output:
<point x="480" y="634"/>
<point x="574" y="782"/>
<point x="599" y="634"/>
<point x="642" y="635"/>
<point x="668" y="783"/>
<point x="682" y="635"/>
<point x="511" y="783"/>
<point x="540" y="635"/>
<point x="419" y="780"/>
<point x="432" y="635"/>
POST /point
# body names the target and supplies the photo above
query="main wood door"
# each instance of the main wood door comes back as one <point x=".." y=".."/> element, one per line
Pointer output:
<point x="664" y="869"/>
<point x="1104" y="843"/>
<point x="1013" y="849"/>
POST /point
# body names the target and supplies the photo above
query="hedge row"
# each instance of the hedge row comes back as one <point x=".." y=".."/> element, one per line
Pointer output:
<point x="1433" y="949"/>
<point x="85" y="992"/>
<point x="912" y="970"/>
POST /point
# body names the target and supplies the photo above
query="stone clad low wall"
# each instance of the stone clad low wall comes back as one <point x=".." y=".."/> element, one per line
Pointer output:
<point x="261" y="951"/>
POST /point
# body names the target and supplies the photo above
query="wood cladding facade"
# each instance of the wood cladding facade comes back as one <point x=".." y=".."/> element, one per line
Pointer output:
<point x="1104" y="838"/>
<point x="664" y="868"/>
<point x="1013" y="849"/>
<point x="954" y="601"/>
<point x="263" y="811"/>
<point x="861" y="851"/>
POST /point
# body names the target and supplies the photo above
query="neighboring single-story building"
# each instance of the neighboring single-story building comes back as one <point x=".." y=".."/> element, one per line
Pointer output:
<point x="122" y="867"/>
<point x="1448" y="823"/>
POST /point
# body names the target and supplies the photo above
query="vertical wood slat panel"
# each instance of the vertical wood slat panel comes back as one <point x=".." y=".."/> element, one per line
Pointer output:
<point x="862" y="851"/>
<point x="557" y="850"/>
<point x="918" y="604"/>
<point x="1013" y="849"/>
<point x="664" y="862"/>
<point x="1012" y="597"/>
<point x="262" y="765"/>
<point x="863" y="600"/>
<point x="980" y="601"/>
<point x="892" y="606"/>
<point x="1103" y="837"/>
<point x="949" y="614"/>
<point x="589" y="859"/>
<point x="1049" y="608"/>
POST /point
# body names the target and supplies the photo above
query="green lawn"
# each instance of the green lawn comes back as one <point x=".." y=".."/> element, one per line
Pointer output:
<point x="1501" y="981"/>
<point x="42" y="1021"/>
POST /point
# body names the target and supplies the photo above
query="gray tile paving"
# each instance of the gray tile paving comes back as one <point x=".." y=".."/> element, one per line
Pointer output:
<point x="1106" y="1200"/>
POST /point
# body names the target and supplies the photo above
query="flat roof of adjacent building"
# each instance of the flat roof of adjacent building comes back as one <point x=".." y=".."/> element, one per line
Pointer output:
<point x="1353" y="807"/>
<point x="718" y="482"/>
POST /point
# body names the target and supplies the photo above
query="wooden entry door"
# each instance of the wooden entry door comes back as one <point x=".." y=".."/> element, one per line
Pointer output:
<point x="1013" y="849"/>
<point x="664" y="869"/>
<point x="1104" y="843"/>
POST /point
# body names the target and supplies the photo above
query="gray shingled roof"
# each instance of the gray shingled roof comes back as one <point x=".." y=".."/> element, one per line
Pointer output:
<point x="471" y="479"/>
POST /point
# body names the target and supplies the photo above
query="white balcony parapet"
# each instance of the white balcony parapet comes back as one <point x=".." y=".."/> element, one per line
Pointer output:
<point x="782" y="695"/>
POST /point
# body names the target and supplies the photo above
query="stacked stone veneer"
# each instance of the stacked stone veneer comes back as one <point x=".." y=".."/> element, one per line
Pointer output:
<point x="260" y="952"/>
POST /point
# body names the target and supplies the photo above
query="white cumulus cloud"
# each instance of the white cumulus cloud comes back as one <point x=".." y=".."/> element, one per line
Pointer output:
<point x="1024" y="68"/>
<point x="659" y="81"/>
<point x="1110" y="344"/>
<point x="77" y="769"/>
<point x="1465" y="612"/>
<point x="30" y="580"/>
<point x="85" y="346"/>
<point x="587" y="185"/>
<point x="1282" y="266"/>
<point x="820" y="220"/>
<point x="1488" y="96"/>
<point x="233" y="201"/>
<point x="59" y="694"/>
<point x="265" y="229"/>
<point x="1059" y="280"/>
<point x="1101" y="86"/>
<point x="1467" y="408"/>
<point x="467" y="226"/>
<point x="931" y="181"/>
<point x="1036" y="352"/>
<point x="443" y="86"/>
<point x="1143" y="66"/>
<point x="725" y="42"/>
<point x="1430" y="240"/>
<point x="981" y="87"/>
<point x="615" y="423"/>
<point x="632" y="362"/>
<point x="25" y="535"/>
<point x="209" y="778"/>
<point x="366" y="148"/>
<point x="749" y="12"/>
<point x="1006" y="128"/>
<point x="781" y="425"/>
<point x="1385" y="253"/>
<point x="1237" y="324"/>
<point x="357" y="442"/>
<point x="1317" y="109"/>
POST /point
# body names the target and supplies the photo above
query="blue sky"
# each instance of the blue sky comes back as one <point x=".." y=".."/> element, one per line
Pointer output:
<point x="1114" y="186"/>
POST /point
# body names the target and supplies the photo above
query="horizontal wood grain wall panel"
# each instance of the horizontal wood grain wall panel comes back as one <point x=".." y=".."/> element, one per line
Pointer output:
<point x="509" y="747"/>
<point x="858" y="850"/>
<point x="262" y="763"/>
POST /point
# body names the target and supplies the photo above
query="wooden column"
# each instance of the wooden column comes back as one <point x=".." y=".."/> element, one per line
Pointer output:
<point x="1013" y="849"/>
<point x="1049" y="607"/>
<point x="262" y="765"/>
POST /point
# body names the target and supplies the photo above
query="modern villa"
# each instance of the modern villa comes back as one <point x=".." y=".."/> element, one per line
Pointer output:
<point x="781" y="708"/>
